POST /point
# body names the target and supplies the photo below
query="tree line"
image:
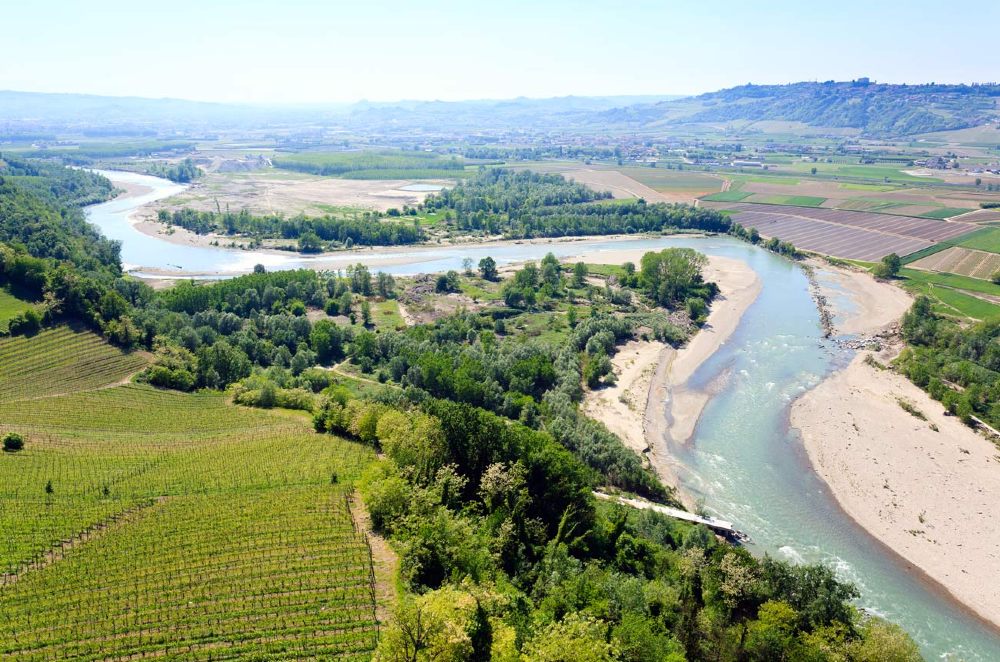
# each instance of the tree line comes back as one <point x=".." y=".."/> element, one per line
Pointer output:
<point x="365" y="229"/>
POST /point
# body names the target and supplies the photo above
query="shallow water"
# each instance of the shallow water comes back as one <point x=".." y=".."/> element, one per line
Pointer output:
<point x="744" y="461"/>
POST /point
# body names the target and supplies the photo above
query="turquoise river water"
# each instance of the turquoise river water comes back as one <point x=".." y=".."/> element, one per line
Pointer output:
<point x="744" y="461"/>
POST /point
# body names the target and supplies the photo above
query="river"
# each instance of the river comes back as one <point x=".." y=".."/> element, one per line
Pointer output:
<point x="744" y="460"/>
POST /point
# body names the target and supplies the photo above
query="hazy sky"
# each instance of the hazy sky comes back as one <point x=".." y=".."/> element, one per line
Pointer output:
<point x="316" y="50"/>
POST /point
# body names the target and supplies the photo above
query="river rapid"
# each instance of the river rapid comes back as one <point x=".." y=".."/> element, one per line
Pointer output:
<point x="744" y="462"/>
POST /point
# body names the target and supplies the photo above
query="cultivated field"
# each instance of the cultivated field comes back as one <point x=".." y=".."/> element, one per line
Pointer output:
<point x="61" y="360"/>
<point x="621" y="186"/>
<point x="900" y="199"/>
<point x="846" y="234"/>
<point x="148" y="523"/>
<point x="962" y="261"/>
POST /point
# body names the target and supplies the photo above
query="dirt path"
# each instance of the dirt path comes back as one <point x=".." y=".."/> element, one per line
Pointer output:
<point x="385" y="561"/>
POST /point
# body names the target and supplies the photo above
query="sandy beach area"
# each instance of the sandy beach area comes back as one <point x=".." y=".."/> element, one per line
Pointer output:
<point x="929" y="494"/>
<point x="650" y="407"/>
<point x="927" y="488"/>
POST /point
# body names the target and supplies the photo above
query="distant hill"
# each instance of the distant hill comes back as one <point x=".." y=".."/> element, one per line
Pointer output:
<point x="24" y="112"/>
<point x="876" y="110"/>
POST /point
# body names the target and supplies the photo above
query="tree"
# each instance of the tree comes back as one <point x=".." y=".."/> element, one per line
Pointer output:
<point x="884" y="642"/>
<point x="889" y="266"/>
<point x="447" y="282"/>
<point x="327" y="340"/>
<point x="576" y="637"/>
<point x="310" y="242"/>
<point x="580" y="274"/>
<point x="488" y="268"/>
<point x="467" y="266"/>
<point x="13" y="442"/>
<point x="669" y="274"/>
<point x="385" y="285"/>
<point x="366" y="313"/>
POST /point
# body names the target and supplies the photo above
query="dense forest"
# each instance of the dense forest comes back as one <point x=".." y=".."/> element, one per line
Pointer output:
<point x="958" y="366"/>
<point x="69" y="187"/>
<point x="524" y="204"/>
<point x="486" y="486"/>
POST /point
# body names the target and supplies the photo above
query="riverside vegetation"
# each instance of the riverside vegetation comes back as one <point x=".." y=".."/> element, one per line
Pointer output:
<point x="196" y="512"/>
<point x="495" y="202"/>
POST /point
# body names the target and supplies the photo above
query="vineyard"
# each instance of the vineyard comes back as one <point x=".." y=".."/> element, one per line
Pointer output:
<point x="140" y="522"/>
<point x="61" y="360"/>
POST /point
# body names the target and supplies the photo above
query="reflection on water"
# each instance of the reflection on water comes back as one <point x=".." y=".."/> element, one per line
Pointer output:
<point x="744" y="460"/>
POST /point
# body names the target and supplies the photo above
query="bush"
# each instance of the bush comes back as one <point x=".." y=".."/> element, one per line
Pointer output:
<point x="26" y="323"/>
<point x="13" y="442"/>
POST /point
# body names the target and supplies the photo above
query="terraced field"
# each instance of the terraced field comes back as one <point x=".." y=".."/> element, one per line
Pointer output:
<point x="61" y="360"/>
<point x="847" y="234"/>
<point x="147" y="523"/>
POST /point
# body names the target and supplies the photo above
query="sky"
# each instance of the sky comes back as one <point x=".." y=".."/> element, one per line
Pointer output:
<point x="322" y="51"/>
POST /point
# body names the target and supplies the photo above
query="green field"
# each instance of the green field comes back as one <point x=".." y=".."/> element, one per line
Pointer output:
<point x="880" y="172"/>
<point x="987" y="239"/>
<point x="794" y="200"/>
<point x="9" y="307"/>
<point x="664" y="180"/>
<point x="945" y="212"/>
<point x="946" y="290"/>
<point x="727" y="196"/>
<point x="186" y="527"/>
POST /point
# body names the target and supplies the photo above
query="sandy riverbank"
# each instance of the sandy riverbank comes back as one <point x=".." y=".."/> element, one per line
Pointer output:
<point x="650" y="407"/>
<point x="929" y="494"/>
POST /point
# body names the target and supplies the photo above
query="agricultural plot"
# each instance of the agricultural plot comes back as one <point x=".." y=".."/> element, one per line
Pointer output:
<point x="962" y="261"/>
<point x="59" y="361"/>
<point x="945" y="212"/>
<point x="987" y="239"/>
<point x="955" y="296"/>
<point x="9" y="307"/>
<point x="142" y="522"/>
<point x="846" y="234"/>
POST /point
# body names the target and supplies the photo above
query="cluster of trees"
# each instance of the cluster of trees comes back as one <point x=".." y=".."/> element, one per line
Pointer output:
<point x="182" y="173"/>
<point x="505" y="553"/>
<point x="49" y="254"/>
<point x="468" y="358"/>
<point x="68" y="187"/>
<point x="365" y="229"/>
<point x="773" y="244"/>
<point x="960" y="367"/>
<point x="216" y="334"/>
<point x="330" y="164"/>
<point x="525" y="204"/>
<point x="44" y="218"/>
